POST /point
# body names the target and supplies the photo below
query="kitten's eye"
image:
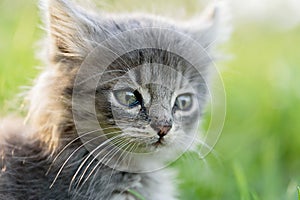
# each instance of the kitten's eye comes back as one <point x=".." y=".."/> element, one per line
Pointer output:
<point x="184" y="102"/>
<point x="126" y="98"/>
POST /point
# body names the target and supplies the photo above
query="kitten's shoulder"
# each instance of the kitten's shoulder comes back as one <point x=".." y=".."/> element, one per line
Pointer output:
<point x="22" y="159"/>
<point x="17" y="142"/>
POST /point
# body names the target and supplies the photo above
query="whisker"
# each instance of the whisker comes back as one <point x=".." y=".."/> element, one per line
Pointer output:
<point x="67" y="145"/>
<point x="99" y="74"/>
<point x="113" y="168"/>
<point x="99" y="162"/>
<point x="119" y="141"/>
<point x="127" y="152"/>
<point x="199" y="141"/>
<point x="123" y="143"/>
<point x="133" y="146"/>
<point x="190" y="157"/>
<point x="91" y="153"/>
<point x="203" y="144"/>
<point x="69" y="157"/>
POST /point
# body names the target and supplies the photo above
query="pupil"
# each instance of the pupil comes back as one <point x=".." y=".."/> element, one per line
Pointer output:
<point x="183" y="103"/>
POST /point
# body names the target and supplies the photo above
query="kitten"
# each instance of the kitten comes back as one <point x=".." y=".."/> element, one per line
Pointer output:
<point x="119" y="99"/>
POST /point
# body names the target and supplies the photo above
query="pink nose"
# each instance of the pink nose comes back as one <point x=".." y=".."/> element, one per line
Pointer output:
<point x="162" y="127"/>
<point x="163" y="130"/>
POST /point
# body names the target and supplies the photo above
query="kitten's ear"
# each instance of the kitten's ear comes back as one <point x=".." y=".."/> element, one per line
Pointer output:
<point x="69" y="29"/>
<point x="213" y="26"/>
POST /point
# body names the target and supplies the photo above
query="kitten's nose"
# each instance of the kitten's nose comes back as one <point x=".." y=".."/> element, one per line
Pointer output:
<point x="162" y="128"/>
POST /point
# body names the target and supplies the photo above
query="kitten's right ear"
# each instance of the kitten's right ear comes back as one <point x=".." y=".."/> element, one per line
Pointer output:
<point x="69" y="29"/>
<point x="213" y="26"/>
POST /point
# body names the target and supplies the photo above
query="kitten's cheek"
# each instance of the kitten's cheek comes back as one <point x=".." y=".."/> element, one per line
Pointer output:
<point x="122" y="113"/>
<point x="177" y="116"/>
<point x="170" y="138"/>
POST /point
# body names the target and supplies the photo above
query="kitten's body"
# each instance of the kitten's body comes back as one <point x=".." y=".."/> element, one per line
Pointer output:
<point x="25" y="164"/>
<point x="44" y="159"/>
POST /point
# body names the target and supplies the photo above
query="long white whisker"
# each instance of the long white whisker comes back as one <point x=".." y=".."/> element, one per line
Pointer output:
<point x="125" y="150"/>
<point x="118" y="141"/>
<point x="99" y="162"/>
<point x="203" y="144"/>
<point x="199" y="141"/>
<point x="90" y="154"/>
<point x="127" y="153"/>
<point x="67" y="160"/>
<point x="67" y="145"/>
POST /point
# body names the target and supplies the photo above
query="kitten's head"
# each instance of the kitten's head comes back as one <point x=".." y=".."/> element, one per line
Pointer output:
<point x="135" y="85"/>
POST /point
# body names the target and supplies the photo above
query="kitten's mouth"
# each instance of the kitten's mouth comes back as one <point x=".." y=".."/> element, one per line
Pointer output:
<point x="159" y="142"/>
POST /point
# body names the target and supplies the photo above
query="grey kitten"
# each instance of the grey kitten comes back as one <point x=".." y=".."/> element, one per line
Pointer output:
<point x="120" y="98"/>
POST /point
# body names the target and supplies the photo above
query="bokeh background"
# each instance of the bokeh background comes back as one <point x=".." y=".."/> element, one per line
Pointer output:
<point x="258" y="154"/>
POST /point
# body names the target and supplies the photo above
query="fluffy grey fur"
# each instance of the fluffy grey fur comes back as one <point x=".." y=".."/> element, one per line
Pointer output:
<point x="46" y="159"/>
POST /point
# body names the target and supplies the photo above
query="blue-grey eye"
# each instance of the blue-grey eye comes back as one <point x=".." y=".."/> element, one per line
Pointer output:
<point x="126" y="97"/>
<point x="184" y="102"/>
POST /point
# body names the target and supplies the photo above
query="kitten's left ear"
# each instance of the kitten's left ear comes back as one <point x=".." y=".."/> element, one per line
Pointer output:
<point x="213" y="27"/>
<point x="70" y="29"/>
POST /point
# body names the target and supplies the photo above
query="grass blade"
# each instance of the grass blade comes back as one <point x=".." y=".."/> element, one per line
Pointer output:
<point x="136" y="194"/>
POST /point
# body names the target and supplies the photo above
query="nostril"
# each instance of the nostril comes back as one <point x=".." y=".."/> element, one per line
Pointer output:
<point x="163" y="130"/>
<point x="161" y="127"/>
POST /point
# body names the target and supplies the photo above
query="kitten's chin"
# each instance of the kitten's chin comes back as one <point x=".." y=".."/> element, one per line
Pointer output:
<point x="151" y="156"/>
<point x="149" y="162"/>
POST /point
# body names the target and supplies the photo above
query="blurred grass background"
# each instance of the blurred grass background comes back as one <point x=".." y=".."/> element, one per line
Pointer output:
<point x="257" y="156"/>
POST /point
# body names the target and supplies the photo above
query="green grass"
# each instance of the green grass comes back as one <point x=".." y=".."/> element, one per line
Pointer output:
<point x="18" y="34"/>
<point x="259" y="146"/>
<point x="257" y="156"/>
<point x="136" y="194"/>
